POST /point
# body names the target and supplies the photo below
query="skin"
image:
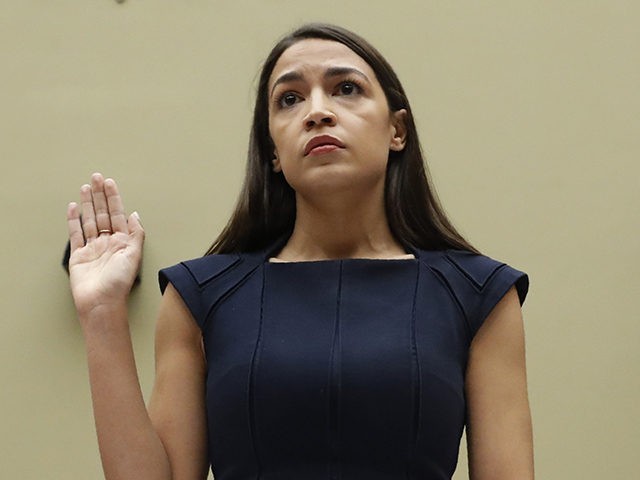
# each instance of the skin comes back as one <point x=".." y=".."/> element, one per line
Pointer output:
<point x="340" y="193"/>
<point x="499" y="431"/>
<point x="167" y="440"/>
<point x="340" y="214"/>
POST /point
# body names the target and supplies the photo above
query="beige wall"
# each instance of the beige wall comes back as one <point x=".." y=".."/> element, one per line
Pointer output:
<point x="528" y="112"/>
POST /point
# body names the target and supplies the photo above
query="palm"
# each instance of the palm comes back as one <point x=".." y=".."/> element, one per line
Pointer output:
<point x="104" y="268"/>
<point x="106" y="248"/>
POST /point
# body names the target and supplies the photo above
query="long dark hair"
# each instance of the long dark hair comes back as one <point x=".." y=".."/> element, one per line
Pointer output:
<point x="266" y="208"/>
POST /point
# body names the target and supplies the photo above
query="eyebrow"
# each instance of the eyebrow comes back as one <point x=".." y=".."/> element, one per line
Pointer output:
<point x="332" y="72"/>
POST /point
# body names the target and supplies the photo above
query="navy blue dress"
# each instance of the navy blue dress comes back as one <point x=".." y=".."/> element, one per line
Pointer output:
<point x="338" y="369"/>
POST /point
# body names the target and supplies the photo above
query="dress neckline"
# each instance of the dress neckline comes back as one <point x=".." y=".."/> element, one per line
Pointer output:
<point x="399" y="258"/>
<point x="269" y="256"/>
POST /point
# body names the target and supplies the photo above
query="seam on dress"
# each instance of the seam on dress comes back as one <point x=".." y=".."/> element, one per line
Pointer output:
<point x="252" y="379"/>
<point x="335" y="391"/>
<point x="445" y="283"/>
<point x="202" y="283"/>
<point x="476" y="284"/>
<point x="221" y="298"/>
<point x="414" y="426"/>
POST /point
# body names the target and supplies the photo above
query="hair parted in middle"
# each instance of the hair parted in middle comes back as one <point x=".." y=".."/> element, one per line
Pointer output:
<point x="266" y="208"/>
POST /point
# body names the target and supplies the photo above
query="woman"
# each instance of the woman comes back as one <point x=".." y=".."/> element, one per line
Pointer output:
<point x="339" y="327"/>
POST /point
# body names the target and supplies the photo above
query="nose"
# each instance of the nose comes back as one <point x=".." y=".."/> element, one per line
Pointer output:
<point x="319" y="112"/>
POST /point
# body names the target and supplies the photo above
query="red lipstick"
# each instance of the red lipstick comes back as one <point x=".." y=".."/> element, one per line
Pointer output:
<point x="322" y="144"/>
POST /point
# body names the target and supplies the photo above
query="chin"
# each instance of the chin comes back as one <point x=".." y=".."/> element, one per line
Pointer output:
<point x="335" y="179"/>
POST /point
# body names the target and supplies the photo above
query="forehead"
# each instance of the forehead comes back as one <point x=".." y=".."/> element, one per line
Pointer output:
<point x="316" y="55"/>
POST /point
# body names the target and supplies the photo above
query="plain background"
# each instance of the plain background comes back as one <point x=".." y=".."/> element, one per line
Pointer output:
<point x="528" y="113"/>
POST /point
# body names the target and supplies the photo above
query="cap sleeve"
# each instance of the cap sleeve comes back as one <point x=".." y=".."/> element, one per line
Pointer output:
<point x="180" y="277"/>
<point x="204" y="282"/>
<point x="478" y="283"/>
<point x="502" y="281"/>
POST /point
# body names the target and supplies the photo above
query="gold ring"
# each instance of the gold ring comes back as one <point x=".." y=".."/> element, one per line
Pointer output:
<point x="104" y="231"/>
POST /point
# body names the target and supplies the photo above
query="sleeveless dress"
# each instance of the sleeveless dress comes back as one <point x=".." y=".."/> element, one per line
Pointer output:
<point x="338" y="369"/>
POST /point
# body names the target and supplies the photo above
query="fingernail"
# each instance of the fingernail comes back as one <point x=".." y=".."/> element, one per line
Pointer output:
<point x="137" y="215"/>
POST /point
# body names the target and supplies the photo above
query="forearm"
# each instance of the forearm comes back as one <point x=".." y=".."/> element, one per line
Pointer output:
<point x="129" y="445"/>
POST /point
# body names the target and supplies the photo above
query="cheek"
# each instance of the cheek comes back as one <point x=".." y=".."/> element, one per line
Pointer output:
<point x="278" y="133"/>
<point x="270" y="127"/>
<point x="378" y="137"/>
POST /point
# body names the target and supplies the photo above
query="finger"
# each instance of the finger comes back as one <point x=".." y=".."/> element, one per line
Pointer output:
<point x="115" y="206"/>
<point x="76" y="238"/>
<point x="136" y="236"/>
<point x="103" y="222"/>
<point x="88" y="214"/>
<point x="135" y="228"/>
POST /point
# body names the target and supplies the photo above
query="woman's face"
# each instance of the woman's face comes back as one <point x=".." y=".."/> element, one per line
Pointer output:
<point x="329" y="119"/>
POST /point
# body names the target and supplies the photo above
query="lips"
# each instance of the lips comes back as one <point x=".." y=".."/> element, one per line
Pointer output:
<point x="322" y="141"/>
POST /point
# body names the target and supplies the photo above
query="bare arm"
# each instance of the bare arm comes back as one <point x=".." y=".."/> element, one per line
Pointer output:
<point x="177" y="405"/>
<point x="102" y="269"/>
<point x="129" y="445"/>
<point x="499" y="432"/>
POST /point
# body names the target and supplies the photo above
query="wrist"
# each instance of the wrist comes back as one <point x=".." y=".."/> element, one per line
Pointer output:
<point x="104" y="318"/>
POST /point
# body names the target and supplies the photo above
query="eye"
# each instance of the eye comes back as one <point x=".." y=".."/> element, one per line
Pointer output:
<point x="349" y="87"/>
<point x="288" y="99"/>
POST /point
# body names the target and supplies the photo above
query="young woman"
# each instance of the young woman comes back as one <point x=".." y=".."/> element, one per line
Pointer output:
<point x="339" y="327"/>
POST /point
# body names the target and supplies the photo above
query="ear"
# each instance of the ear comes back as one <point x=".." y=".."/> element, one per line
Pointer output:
<point x="276" y="162"/>
<point x="399" y="130"/>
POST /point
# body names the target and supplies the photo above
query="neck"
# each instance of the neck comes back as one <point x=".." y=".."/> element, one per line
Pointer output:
<point x="341" y="226"/>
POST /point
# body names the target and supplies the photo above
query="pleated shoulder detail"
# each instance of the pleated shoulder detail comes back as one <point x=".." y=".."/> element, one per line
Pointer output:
<point x="204" y="282"/>
<point x="476" y="282"/>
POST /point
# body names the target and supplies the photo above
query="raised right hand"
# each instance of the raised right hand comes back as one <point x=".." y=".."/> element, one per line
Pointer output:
<point x="106" y="247"/>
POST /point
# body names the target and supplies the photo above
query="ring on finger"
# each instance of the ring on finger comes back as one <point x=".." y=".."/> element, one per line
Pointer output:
<point x="100" y="232"/>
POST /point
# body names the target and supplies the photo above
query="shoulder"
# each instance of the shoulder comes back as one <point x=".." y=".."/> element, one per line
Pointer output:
<point x="476" y="282"/>
<point x="201" y="271"/>
<point x="203" y="282"/>
<point x="473" y="272"/>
